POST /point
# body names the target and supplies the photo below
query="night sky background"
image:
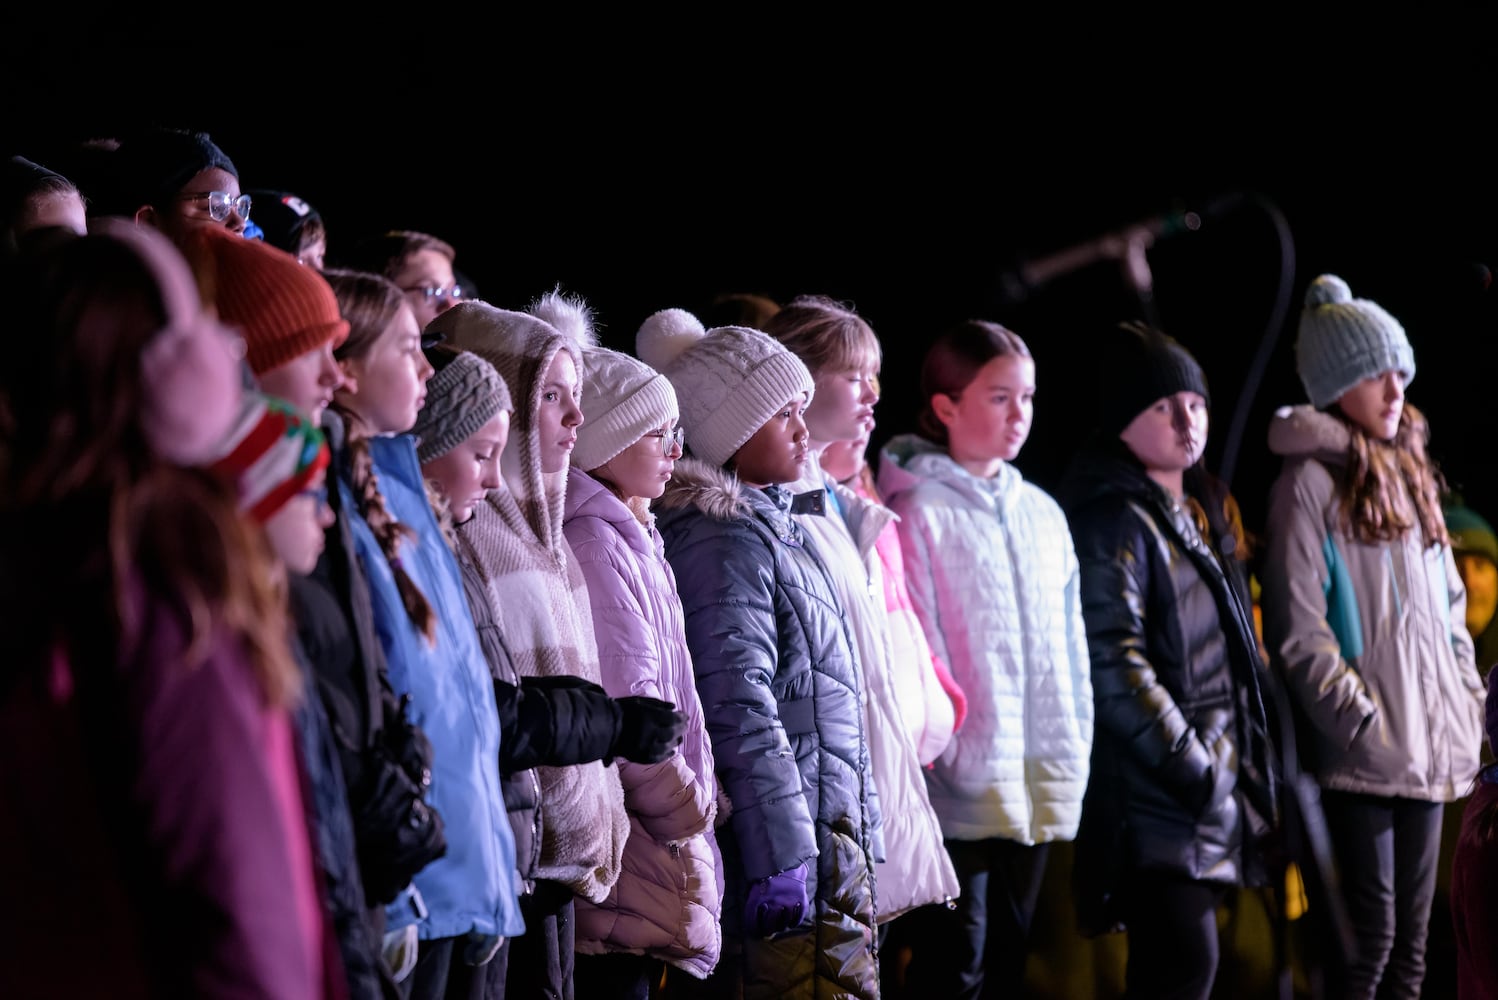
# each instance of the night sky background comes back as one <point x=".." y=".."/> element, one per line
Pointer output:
<point x="903" y="165"/>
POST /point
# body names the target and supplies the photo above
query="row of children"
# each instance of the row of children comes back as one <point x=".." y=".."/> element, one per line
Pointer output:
<point x="574" y="710"/>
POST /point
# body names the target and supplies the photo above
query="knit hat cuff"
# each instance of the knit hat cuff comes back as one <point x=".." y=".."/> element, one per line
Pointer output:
<point x="603" y="436"/>
<point x="766" y="388"/>
<point x="1329" y="384"/>
<point x="265" y="354"/>
<point x="281" y="494"/>
<point x="433" y="446"/>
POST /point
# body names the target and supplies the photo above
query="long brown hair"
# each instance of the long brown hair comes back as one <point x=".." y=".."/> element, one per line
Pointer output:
<point x="370" y="303"/>
<point x="954" y="360"/>
<point x="91" y="516"/>
<point x="1390" y="487"/>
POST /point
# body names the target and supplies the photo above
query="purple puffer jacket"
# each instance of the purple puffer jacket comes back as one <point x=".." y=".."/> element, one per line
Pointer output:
<point x="668" y="899"/>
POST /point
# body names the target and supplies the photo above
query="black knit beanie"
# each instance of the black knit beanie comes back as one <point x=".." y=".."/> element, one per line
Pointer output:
<point x="1143" y="366"/>
<point x="152" y="166"/>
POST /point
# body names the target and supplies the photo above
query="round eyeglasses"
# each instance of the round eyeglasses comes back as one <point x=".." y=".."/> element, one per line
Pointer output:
<point x="221" y="203"/>
<point x="429" y="293"/>
<point x="670" y="440"/>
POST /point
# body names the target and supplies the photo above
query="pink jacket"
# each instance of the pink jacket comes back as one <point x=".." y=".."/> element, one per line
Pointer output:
<point x="931" y="702"/>
<point x="668" y="899"/>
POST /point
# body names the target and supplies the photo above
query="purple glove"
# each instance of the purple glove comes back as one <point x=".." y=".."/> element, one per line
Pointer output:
<point x="776" y="903"/>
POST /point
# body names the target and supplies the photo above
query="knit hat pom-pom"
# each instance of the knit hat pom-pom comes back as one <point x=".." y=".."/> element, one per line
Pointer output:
<point x="666" y="335"/>
<point x="570" y="315"/>
<point x="1327" y="290"/>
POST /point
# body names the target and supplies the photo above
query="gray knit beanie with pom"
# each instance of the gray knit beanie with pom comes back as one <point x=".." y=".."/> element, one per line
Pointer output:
<point x="1344" y="340"/>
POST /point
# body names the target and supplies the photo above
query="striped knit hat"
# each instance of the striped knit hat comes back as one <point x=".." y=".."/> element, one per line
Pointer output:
<point x="271" y="454"/>
<point x="283" y="309"/>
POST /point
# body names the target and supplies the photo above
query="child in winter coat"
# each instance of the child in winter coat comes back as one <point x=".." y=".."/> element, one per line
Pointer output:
<point x="1181" y="797"/>
<point x="1364" y="613"/>
<point x="666" y="906"/>
<point x="153" y="796"/>
<point x="539" y="600"/>
<point x="775" y="670"/>
<point x="548" y="721"/>
<point x="843" y="356"/>
<point x="993" y="577"/>
<point x="469" y="899"/>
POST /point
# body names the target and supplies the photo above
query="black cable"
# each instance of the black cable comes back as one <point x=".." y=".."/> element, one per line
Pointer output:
<point x="1267" y="342"/>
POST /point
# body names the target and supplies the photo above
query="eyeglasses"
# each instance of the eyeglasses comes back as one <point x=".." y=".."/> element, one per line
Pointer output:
<point x="669" y="439"/>
<point x="452" y="293"/>
<point x="221" y="203"/>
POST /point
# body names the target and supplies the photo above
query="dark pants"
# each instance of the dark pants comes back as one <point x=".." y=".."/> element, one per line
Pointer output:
<point x="538" y="964"/>
<point x="1387" y="852"/>
<point x="979" y="948"/>
<point x="616" y="977"/>
<point x="1172" y="931"/>
<point x="441" y="973"/>
<point x="725" y="982"/>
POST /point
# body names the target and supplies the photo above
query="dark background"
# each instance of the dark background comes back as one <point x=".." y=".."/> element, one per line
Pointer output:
<point x="903" y="165"/>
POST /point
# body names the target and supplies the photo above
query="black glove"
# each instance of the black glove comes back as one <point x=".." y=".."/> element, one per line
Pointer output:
<point x="649" y="729"/>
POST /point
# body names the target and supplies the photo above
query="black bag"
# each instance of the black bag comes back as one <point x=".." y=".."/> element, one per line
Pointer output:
<point x="398" y="833"/>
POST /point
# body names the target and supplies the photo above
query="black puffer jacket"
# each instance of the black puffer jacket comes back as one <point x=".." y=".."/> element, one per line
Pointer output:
<point x="1181" y="777"/>
<point x="547" y="721"/>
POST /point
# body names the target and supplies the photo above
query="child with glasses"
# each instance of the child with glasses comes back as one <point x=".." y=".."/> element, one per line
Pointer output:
<point x="469" y="895"/>
<point x="665" y="907"/>
<point x="420" y="264"/>
<point x="775" y="671"/>
<point x="171" y="179"/>
<point x="994" y="579"/>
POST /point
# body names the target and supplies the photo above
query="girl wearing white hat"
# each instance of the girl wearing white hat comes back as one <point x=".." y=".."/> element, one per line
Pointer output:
<point x="774" y="667"/>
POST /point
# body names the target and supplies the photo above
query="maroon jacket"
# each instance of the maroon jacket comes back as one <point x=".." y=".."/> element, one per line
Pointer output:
<point x="1474" y="904"/>
<point x="142" y="846"/>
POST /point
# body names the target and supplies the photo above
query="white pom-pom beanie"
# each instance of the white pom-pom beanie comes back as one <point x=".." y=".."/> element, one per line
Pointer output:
<point x="1343" y="340"/>
<point x="729" y="381"/>
<point x="622" y="399"/>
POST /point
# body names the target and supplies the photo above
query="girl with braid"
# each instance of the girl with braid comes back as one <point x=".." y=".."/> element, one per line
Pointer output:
<point x="468" y="898"/>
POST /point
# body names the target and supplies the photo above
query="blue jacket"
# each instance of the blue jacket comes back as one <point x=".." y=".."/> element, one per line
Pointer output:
<point x="473" y="888"/>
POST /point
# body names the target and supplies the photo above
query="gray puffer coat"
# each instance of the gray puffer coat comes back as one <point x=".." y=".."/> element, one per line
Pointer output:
<point x="778" y="679"/>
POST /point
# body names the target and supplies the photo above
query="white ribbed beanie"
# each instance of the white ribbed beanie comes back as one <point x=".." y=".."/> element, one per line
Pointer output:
<point x="622" y="399"/>
<point x="729" y="381"/>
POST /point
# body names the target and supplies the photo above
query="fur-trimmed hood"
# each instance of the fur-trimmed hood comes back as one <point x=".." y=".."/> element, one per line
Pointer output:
<point x="1304" y="431"/>
<point x="713" y="490"/>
